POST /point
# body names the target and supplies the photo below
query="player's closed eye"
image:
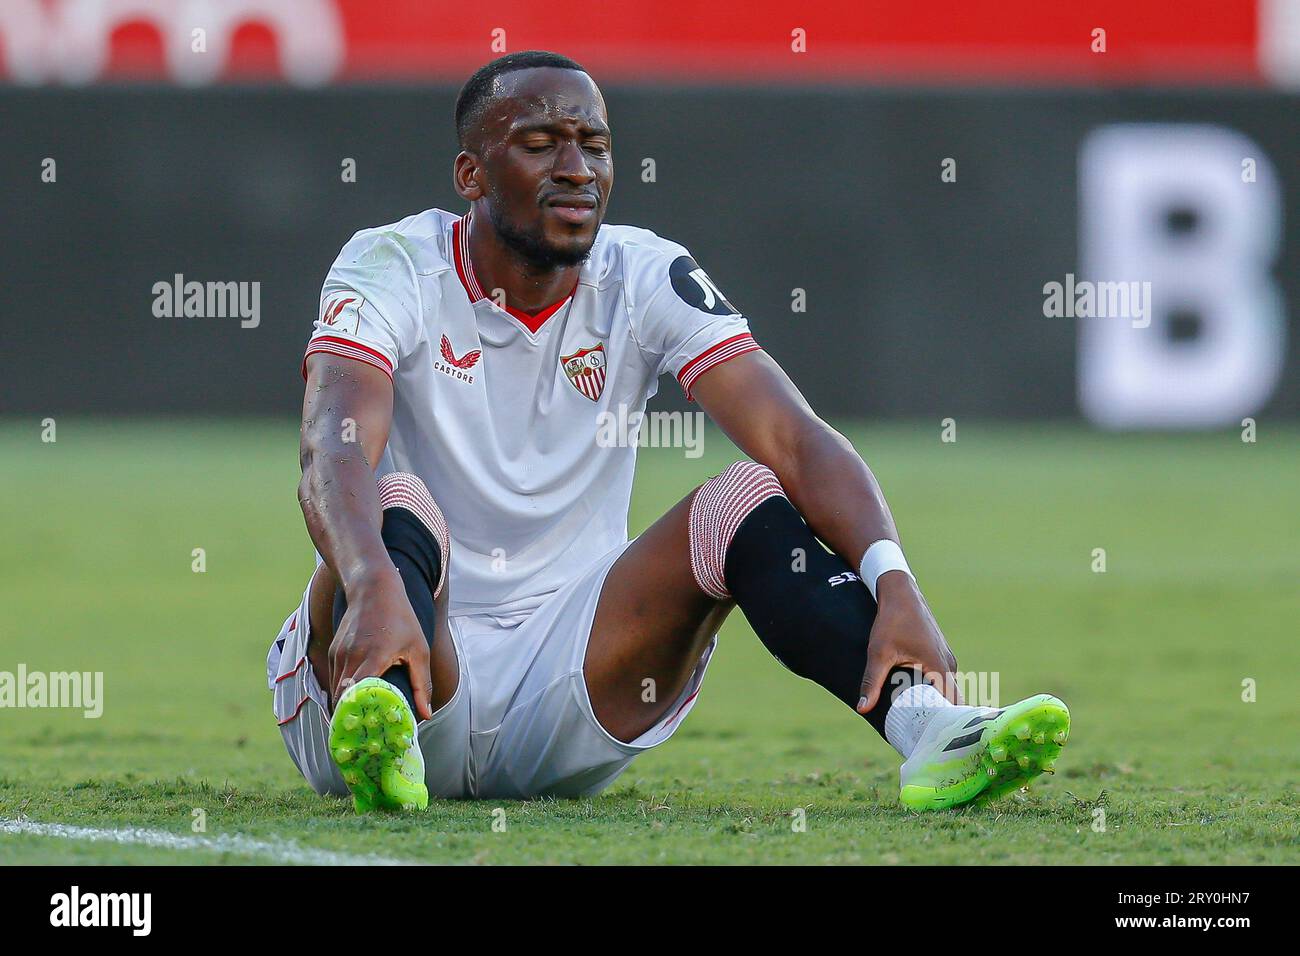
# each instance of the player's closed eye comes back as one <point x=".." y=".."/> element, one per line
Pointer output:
<point x="596" y="149"/>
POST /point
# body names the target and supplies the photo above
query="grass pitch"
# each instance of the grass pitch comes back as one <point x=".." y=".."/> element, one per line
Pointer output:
<point x="1167" y="762"/>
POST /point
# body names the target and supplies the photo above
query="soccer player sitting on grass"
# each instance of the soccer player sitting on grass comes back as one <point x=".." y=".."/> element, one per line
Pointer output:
<point x="478" y="624"/>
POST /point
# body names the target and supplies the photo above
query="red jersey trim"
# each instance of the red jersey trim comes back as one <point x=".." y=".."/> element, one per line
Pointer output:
<point x="715" y="355"/>
<point x="347" y="349"/>
<point x="296" y="711"/>
<point x="284" y="677"/>
<point x="460" y="254"/>
<point x="534" y="322"/>
<point x="470" y="283"/>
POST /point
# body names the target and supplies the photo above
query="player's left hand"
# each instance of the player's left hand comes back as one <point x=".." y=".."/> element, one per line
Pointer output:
<point x="379" y="630"/>
<point x="906" y="634"/>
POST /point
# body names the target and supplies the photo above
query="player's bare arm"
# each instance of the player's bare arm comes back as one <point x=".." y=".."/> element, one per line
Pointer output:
<point x="755" y="403"/>
<point x="347" y="412"/>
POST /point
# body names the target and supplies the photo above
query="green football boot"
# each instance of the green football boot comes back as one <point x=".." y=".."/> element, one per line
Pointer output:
<point x="373" y="742"/>
<point x="967" y="753"/>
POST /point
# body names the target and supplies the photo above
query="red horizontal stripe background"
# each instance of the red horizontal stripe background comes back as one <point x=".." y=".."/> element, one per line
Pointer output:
<point x="750" y="40"/>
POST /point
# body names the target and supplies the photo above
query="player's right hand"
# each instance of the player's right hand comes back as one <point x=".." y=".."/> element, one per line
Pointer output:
<point x="380" y="631"/>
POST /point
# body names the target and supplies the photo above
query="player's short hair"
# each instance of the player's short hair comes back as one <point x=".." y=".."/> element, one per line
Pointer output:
<point x="477" y="91"/>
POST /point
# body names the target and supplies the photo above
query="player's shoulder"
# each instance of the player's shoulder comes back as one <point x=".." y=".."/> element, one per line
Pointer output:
<point x="647" y="264"/>
<point x="635" y="256"/>
<point x="419" y="242"/>
<point x="637" y="245"/>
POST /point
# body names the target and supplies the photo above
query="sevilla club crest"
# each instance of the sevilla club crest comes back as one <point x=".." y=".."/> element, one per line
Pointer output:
<point x="586" y="370"/>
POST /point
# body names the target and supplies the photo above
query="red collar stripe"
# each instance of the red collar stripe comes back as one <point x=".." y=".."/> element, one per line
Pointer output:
<point x="534" y="322"/>
<point x="465" y="271"/>
<point x="460" y="251"/>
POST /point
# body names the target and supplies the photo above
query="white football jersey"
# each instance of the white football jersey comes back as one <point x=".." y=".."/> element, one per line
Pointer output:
<point x="501" y="413"/>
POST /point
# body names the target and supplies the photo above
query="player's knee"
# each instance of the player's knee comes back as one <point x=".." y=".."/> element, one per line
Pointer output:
<point x="717" y="510"/>
<point x="400" y="489"/>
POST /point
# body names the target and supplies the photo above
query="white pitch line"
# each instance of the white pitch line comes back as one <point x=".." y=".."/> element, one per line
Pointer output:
<point x="281" y="851"/>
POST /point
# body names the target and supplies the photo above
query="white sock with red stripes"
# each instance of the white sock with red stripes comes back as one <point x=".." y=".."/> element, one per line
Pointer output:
<point x="717" y="510"/>
<point x="399" y="489"/>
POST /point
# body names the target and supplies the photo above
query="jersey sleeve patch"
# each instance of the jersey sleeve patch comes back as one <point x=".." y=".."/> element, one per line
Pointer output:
<point x="694" y="287"/>
<point x="340" y="330"/>
<point x="681" y="321"/>
<point x="341" y="312"/>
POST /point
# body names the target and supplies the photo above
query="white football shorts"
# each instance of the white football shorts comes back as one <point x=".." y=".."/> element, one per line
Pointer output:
<point x="520" y="724"/>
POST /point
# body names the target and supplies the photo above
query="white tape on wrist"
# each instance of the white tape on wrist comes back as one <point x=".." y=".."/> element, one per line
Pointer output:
<point x="884" y="555"/>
